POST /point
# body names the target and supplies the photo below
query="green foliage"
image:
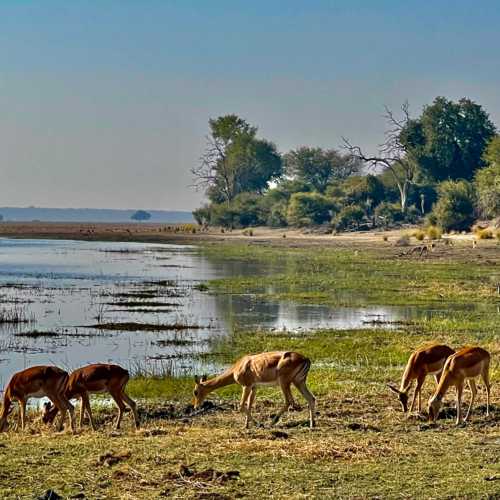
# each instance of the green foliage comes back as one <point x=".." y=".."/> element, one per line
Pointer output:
<point x="309" y="208"/>
<point x="487" y="182"/>
<point x="317" y="167"/>
<point x="367" y="191"/>
<point x="449" y="139"/>
<point x="140" y="215"/>
<point x="388" y="213"/>
<point x="349" y="216"/>
<point x="492" y="154"/>
<point x="455" y="206"/>
<point x="235" y="160"/>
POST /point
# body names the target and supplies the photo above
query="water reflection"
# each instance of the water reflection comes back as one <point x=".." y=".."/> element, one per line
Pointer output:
<point x="68" y="286"/>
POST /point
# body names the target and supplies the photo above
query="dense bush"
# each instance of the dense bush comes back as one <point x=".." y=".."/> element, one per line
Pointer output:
<point x="487" y="182"/>
<point x="387" y="214"/>
<point x="349" y="216"/>
<point x="454" y="208"/>
<point x="309" y="208"/>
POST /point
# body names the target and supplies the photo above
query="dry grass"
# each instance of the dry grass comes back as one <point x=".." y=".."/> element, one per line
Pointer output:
<point x="362" y="447"/>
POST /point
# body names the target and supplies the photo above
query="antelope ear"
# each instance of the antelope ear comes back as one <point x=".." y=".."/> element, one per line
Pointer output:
<point x="196" y="379"/>
<point x="203" y="378"/>
<point x="394" y="389"/>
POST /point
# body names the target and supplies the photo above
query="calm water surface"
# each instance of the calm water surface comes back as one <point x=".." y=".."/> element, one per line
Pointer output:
<point x="62" y="288"/>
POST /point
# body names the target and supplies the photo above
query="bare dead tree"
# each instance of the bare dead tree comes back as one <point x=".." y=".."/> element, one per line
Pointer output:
<point x="393" y="155"/>
<point x="214" y="168"/>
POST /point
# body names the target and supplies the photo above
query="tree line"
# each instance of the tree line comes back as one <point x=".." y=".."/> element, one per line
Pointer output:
<point x="442" y="166"/>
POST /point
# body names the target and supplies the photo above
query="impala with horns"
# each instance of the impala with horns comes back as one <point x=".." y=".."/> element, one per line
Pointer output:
<point x="427" y="360"/>
<point x="267" y="368"/>
<point x="93" y="379"/>
<point x="466" y="364"/>
<point x="37" y="382"/>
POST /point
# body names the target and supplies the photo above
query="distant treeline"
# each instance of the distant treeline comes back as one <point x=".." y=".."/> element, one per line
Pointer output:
<point x="442" y="167"/>
<point x="27" y="214"/>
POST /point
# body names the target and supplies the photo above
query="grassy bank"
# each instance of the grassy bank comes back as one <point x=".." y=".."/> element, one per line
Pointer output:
<point x="341" y="277"/>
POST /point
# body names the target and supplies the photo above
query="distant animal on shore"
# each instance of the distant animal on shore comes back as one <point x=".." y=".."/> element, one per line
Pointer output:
<point x="37" y="382"/>
<point x="427" y="360"/>
<point x="281" y="368"/>
<point x="466" y="364"/>
<point x="94" y="379"/>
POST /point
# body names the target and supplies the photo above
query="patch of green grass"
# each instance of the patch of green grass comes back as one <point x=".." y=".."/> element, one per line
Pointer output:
<point x="342" y="277"/>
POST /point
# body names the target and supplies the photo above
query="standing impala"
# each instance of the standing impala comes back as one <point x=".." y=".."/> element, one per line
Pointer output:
<point x="267" y="368"/>
<point x="428" y="360"/>
<point x="93" y="379"/>
<point x="466" y="364"/>
<point x="37" y="382"/>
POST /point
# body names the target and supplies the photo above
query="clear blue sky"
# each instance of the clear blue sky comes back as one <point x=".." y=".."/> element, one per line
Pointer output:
<point x="105" y="103"/>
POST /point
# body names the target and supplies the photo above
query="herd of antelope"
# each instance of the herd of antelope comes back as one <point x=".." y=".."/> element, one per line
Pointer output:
<point x="280" y="368"/>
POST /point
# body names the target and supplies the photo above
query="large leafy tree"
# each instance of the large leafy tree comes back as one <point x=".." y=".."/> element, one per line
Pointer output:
<point x="449" y="139"/>
<point x="319" y="167"/>
<point x="235" y="160"/>
<point x="487" y="180"/>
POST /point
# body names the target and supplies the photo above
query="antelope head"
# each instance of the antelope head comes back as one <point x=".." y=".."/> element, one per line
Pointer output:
<point x="402" y="396"/>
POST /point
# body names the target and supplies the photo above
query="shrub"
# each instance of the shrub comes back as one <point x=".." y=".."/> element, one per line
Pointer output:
<point x="349" y="216"/>
<point x="403" y="240"/>
<point x="455" y="206"/>
<point x="277" y="215"/>
<point x="484" y="234"/>
<point x="433" y="233"/>
<point x="309" y="208"/>
<point x="387" y="214"/>
<point x="419" y="235"/>
<point x="487" y="182"/>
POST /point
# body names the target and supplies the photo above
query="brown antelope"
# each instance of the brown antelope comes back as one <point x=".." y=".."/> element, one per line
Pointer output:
<point x="427" y="360"/>
<point x="92" y="379"/>
<point x="267" y="368"/>
<point x="37" y="382"/>
<point x="466" y="364"/>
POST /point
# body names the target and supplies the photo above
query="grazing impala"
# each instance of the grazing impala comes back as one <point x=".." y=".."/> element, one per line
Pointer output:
<point x="37" y="382"/>
<point x="267" y="368"/>
<point x="92" y="379"/>
<point x="466" y="364"/>
<point x="428" y="360"/>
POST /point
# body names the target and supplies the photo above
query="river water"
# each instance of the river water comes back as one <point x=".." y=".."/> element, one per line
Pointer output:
<point x="60" y="290"/>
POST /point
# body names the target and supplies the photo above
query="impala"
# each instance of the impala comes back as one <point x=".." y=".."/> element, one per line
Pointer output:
<point x="428" y="360"/>
<point x="92" y="379"/>
<point x="466" y="364"/>
<point x="37" y="382"/>
<point x="267" y="368"/>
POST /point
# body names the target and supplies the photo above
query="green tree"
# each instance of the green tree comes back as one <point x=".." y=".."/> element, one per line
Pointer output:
<point x="454" y="208"/>
<point x="351" y="215"/>
<point x="309" y="208"/>
<point x="449" y="139"/>
<point x="318" y="167"/>
<point x="235" y="160"/>
<point x="487" y="182"/>
<point x="140" y="215"/>
<point x="492" y="154"/>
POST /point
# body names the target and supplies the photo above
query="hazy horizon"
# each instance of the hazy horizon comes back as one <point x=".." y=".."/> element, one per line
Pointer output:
<point x="105" y="105"/>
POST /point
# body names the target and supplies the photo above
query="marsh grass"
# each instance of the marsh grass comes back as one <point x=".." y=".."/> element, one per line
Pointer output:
<point x="341" y="277"/>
